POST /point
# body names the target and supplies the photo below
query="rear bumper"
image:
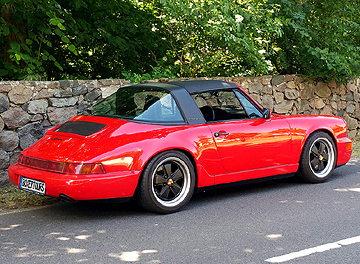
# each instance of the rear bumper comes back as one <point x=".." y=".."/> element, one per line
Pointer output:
<point x="343" y="151"/>
<point x="80" y="187"/>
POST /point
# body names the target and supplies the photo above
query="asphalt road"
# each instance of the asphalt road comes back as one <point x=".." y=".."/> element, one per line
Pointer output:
<point x="279" y="221"/>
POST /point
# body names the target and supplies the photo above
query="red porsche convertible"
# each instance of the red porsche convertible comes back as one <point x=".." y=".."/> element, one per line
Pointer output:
<point x="162" y="141"/>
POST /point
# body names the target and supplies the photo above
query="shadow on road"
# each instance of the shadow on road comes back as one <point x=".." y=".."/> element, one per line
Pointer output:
<point x="106" y="209"/>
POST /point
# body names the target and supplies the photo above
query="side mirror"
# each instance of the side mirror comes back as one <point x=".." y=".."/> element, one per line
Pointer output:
<point x="266" y="113"/>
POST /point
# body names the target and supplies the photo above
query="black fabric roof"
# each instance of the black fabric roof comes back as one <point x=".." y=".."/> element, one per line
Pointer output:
<point x="196" y="86"/>
<point x="204" y="85"/>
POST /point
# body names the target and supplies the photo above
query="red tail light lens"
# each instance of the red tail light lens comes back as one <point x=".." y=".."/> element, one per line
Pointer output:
<point x="62" y="167"/>
<point x="72" y="168"/>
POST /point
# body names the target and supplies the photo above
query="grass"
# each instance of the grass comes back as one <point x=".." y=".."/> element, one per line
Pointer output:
<point x="12" y="198"/>
<point x="356" y="149"/>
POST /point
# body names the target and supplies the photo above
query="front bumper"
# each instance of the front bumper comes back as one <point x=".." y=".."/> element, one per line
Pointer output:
<point x="80" y="187"/>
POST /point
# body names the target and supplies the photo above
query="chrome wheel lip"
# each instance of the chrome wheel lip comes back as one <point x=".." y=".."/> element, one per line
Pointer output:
<point x="331" y="157"/>
<point x="181" y="196"/>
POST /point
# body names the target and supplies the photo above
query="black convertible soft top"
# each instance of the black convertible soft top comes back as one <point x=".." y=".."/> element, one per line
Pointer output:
<point x="196" y="86"/>
<point x="199" y="86"/>
<point x="182" y="92"/>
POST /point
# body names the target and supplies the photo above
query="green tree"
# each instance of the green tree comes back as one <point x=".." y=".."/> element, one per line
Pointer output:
<point x="147" y="39"/>
<point x="27" y="31"/>
<point x="218" y="37"/>
<point x="77" y="39"/>
<point x="111" y="37"/>
<point x="319" y="38"/>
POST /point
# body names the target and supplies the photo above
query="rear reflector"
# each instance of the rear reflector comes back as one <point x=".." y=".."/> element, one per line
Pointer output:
<point x="61" y="167"/>
<point x="348" y="146"/>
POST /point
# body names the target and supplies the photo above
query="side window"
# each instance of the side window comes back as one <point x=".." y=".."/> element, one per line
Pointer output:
<point x="251" y="110"/>
<point x="141" y="104"/>
<point x="220" y="105"/>
<point x="157" y="107"/>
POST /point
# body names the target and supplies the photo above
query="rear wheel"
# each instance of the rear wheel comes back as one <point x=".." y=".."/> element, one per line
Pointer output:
<point x="167" y="183"/>
<point x="318" y="158"/>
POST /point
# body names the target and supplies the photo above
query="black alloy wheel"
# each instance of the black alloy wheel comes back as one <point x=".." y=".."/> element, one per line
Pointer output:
<point x="318" y="158"/>
<point x="167" y="183"/>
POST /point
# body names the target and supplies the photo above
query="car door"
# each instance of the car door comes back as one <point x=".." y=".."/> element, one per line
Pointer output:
<point x="252" y="143"/>
<point x="245" y="140"/>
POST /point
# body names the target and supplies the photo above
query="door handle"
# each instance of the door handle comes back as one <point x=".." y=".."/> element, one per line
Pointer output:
<point x="218" y="134"/>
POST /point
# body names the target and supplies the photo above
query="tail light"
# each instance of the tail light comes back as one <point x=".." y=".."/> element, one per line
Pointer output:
<point x="62" y="167"/>
<point x="83" y="168"/>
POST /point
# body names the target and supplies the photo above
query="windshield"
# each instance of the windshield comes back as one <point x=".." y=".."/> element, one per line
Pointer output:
<point x="139" y="103"/>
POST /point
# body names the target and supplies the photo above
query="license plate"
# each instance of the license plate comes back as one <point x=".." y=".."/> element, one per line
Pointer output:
<point x="31" y="185"/>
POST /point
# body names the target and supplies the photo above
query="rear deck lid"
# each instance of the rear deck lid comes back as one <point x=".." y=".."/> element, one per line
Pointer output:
<point x="65" y="140"/>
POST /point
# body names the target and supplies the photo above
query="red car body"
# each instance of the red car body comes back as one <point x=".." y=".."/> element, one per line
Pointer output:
<point x="221" y="152"/>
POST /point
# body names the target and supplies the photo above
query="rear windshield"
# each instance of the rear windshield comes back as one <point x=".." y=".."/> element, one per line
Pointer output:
<point x="140" y="104"/>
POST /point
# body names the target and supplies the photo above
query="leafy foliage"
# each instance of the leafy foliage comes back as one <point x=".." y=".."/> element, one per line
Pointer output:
<point x="76" y="39"/>
<point x="53" y="39"/>
<point x="110" y="37"/>
<point x="28" y="31"/>
<point x="156" y="73"/>
<point x="319" y="38"/>
<point x="218" y="37"/>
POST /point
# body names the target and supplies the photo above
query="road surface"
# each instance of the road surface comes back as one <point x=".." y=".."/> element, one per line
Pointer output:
<point x="281" y="221"/>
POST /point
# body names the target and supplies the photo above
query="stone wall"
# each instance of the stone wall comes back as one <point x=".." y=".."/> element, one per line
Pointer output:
<point x="290" y="94"/>
<point x="28" y="109"/>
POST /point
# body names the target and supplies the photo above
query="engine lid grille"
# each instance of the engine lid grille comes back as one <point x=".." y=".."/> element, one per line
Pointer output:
<point x="82" y="128"/>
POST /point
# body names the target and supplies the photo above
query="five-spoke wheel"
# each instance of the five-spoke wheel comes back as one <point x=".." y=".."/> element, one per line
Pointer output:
<point x="318" y="158"/>
<point x="167" y="182"/>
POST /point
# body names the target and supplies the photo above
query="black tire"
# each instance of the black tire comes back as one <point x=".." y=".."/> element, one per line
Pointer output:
<point x="167" y="183"/>
<point x="318" y="158"/>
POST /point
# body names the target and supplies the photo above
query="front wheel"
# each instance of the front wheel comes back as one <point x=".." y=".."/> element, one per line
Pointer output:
<point x="167" y="183"/>
<point x="318" y="158"/>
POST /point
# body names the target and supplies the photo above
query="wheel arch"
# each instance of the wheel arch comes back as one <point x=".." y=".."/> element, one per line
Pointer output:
<point x="185" y="152"/>
<point x="318" y="167"/>
<point x="160" y="197"/>
<point x="327" y="131"/>
<point x="192" y="160"/>
<point x="316" y="131"/>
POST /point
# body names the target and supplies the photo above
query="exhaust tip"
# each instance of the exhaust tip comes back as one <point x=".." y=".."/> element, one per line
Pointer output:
<point x="66" y="198"/>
